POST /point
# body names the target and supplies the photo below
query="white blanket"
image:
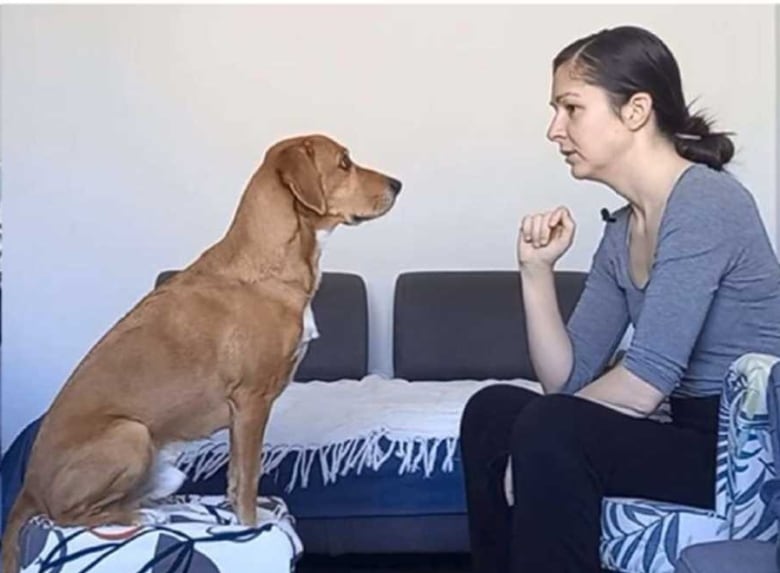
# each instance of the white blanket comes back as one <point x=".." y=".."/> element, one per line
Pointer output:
<point x="349" y="425"/>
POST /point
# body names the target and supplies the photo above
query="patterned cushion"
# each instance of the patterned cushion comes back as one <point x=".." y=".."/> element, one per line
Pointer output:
<point x="644" y="536"/>
<point x="647" y="536"/>
<point x="192" y="534"/>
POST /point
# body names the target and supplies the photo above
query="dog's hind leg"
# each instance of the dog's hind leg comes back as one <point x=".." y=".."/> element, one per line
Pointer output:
<point x="103" y="481"/>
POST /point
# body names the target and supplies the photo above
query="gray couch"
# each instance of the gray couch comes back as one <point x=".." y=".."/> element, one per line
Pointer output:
<point x="743" y="556"/>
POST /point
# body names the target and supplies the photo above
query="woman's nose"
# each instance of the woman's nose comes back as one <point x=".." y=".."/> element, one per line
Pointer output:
<point x="555" y="129"/>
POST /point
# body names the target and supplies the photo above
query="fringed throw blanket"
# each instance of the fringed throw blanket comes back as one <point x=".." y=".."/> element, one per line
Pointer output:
<point x="347" y="426"/>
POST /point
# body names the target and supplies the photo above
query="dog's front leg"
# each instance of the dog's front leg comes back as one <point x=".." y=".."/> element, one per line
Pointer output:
<point x="249" y="416"/>
<point x="232" y="481"/>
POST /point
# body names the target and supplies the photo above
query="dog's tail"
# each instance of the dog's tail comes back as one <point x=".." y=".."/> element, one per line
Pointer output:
<point x="24" y="508"/>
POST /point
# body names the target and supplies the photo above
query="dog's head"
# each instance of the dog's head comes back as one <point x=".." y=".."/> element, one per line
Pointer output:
<point x="325" y="181"/>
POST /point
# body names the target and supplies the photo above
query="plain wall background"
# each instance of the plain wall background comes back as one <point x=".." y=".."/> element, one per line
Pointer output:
<point x="128" y="134"/>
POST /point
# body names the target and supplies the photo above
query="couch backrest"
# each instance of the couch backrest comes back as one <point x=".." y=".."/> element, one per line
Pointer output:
<point x="451" y="325"/>
<point x="341" y="312"/>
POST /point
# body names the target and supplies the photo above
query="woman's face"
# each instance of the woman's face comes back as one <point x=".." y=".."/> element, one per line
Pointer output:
<point x="589" y="134"/>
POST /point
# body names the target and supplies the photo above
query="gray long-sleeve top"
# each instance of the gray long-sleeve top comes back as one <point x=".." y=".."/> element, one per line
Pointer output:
<point x="713" y="292"/>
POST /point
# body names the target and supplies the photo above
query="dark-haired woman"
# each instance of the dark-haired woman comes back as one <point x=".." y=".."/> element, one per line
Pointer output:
<point x="687" y="262"/>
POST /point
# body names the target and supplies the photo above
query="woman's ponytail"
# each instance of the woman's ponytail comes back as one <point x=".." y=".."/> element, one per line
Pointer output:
<point x="696" y="142"/>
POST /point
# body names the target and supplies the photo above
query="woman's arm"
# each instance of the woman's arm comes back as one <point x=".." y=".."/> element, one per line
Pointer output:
<point x="625" y="392"/>
<point x="548" y="342"/>
<point x="568" y="356"/>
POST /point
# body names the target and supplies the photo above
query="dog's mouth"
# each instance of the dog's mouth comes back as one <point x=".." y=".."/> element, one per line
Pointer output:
<point x="356" y="220"/>
<point x="375" y="211"/>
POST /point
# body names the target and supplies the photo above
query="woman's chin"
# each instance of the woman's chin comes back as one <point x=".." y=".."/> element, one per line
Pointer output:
<point x="579" y="171"/>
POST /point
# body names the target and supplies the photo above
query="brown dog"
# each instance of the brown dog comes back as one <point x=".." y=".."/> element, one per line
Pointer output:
<point x="210" y="348"/>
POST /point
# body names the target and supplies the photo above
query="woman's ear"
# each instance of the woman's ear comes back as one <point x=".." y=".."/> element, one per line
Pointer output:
<point x="637" y="111"/>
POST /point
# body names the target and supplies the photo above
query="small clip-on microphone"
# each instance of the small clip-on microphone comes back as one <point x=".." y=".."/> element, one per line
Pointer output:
<point x="606" y="216"/>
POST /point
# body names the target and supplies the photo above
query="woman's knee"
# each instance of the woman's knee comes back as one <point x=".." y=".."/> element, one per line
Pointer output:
<point x="491" y="402"/>
<point x="551" y="424"/>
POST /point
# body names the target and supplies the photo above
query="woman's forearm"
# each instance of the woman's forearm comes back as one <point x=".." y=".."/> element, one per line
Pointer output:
<point x="623" y="391"/>
<point x="548" y="342"/>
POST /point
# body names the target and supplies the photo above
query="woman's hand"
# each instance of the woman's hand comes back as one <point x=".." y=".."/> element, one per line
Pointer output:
<point x="544" y="238"/>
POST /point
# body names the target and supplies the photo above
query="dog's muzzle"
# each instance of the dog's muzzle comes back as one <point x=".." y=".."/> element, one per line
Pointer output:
<point x="395" y="185"/>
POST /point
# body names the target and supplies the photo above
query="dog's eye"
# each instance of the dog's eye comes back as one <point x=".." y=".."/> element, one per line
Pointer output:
<point x="345" y="162"/>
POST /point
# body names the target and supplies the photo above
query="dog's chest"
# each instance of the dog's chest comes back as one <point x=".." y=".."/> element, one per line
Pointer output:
<point x="310" y="331"/>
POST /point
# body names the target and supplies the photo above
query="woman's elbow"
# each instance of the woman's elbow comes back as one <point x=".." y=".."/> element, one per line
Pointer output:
<point x="646" y="397"/>
<point x="647" y="405"/>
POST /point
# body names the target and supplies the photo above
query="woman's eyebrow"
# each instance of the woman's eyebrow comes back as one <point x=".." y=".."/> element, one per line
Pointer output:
<point x="559" y="97"/>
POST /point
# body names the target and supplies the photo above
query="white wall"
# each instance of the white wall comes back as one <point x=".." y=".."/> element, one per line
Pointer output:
<point x="129" y="133"/>
<point x="777" y="116"/>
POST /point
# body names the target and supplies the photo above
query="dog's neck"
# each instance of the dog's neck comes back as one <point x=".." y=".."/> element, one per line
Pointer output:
<point x="271" y="238"/>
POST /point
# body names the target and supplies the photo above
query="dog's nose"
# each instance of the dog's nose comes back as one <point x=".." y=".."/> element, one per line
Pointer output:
<point x="395" y="185"/>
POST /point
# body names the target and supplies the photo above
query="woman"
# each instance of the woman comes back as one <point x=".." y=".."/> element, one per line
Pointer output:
<point x="687" y="262"/>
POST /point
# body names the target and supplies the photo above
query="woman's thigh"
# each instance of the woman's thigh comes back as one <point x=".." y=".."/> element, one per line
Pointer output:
<point x="632" y="457"/>
<point x="495" y="408"/>
<point x="488" y="418"/>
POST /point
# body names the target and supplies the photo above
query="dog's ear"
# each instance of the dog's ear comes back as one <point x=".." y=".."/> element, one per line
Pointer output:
<point x="298" y="172"/>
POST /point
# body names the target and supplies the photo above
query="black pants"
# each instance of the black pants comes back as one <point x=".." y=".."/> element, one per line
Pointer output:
<point x="567" y="454"/>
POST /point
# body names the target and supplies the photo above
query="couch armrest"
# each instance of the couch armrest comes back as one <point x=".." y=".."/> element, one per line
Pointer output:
<point x="745" y="458"/>
<point x="728" y="557"/>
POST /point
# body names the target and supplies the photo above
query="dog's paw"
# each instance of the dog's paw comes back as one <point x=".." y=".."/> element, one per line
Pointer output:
<point x="248" y="517"/>
<point x="146" y="517"/>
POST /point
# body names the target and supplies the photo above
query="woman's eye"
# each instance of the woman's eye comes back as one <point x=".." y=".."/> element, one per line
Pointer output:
<point x="570" y="109"/>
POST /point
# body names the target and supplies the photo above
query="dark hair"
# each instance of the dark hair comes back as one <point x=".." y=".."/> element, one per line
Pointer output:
<point x="627" y="60"/>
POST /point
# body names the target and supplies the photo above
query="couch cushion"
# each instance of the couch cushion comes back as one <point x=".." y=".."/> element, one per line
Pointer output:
<point x="184" y="533"/>
<point x="387" y="490"/>
<point x="646" y="536"/>
<point x="467" y="324"/>
<point x="336" y="449"/>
